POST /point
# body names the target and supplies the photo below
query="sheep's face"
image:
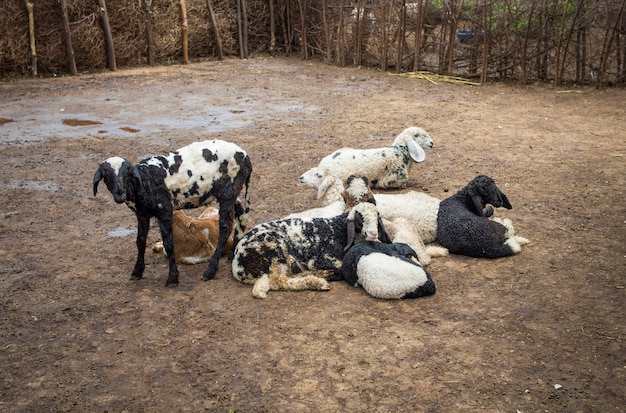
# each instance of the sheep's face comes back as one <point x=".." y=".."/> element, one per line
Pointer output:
<point x="415" y="140"/>
<point x="115" y="172"/>
<point x="313" y="177"/>
<point x="483" y="191"/>
<point x="366" y="220"/>
<point x="419" y="135"/>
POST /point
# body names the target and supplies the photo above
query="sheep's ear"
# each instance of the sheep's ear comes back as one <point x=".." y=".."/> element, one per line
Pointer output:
<point x="382" y="233"/>
<point x="504" y="200"/>
<point x="324" y="186"/>
<point x="96" y="180"/>
<point x="477" y="200"/>
<point x="417" y="152"/>
<point x="136" y="175"/>
<point x="351" y="232"/>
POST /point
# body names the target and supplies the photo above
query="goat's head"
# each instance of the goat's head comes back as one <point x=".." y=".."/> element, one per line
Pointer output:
<point x="363" y="219"/>
<point x="116" y="173"/>
<point x="483" y="190"/>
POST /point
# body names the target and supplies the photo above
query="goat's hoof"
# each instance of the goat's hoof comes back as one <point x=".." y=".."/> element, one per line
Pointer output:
<point x="171" y="284"/>
<point x="134" y="277"/>
<point x="207" y="277"/>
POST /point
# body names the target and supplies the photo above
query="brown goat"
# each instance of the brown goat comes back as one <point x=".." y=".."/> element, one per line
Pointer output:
<point x="195" y="238"/>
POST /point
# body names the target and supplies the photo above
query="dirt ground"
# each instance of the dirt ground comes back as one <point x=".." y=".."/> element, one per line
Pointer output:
<point x="542" y="331"/>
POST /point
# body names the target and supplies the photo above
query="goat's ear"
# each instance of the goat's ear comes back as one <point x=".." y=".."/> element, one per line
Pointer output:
<point x="96" y="179"/>
<point x="321" y="190"/>
<point x="351" y="229"/>
<point x="504" y="200"/>
<point x="382" y="233"/>
<point x="416" y="151"/>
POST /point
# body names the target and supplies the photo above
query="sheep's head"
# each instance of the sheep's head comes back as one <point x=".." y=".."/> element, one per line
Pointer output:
<point x="483" y="190"/>
<point x="416" y="140"/>
<point x="115" y="172"/>
<point x="363" y="219"/>
<point x="357" y="190"/>
<point x="313" y="177"/>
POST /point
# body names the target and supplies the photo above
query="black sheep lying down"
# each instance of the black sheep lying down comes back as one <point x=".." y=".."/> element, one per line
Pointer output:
<point x="388" y="271"/>
<point x="464" y="227"/>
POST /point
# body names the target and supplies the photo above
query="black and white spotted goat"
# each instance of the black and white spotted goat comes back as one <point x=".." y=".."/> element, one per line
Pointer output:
<point x="190" y="177"/>
<point x="299" y="254"/>
<point x="388" y="271"/>
<point x="464" y="227"/>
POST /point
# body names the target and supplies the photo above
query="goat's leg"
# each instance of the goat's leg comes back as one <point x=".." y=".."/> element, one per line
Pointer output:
<point x="143" y="225"/>
<point x="167" y="235"/>
<point x="227" y="215"/>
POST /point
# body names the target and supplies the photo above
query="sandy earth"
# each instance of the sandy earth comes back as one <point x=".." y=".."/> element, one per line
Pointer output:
<point x="543" y="331"/>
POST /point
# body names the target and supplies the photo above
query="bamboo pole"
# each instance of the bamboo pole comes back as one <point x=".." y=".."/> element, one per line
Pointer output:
<point x="185" y="26"/>
<point x="31" y="36"/>
<point x="67" y="36"/>
<point x="108" y="37"/>
<point x="216" y="30"/>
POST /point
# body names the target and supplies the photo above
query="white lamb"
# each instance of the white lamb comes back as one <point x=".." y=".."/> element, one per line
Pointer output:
<point x="336" y="197"/>
<point x="383" y="167"/>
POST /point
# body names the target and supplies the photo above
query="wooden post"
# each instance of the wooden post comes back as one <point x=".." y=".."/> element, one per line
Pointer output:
<point x="305" y="45"/>
<point x="216" y="31"/>
<point x="273" y="27"/>
<point x="183" y="13"/>
<point x="147" y="7"/>
<point x="31" y="36"/>
<point x="401" y="36"/>
<point x="383" y="36"/>
<point x="326" y="30"/>
<point x="108" y="37"/>
<point x="67" y="36"/>
<point x="418" y="34"/>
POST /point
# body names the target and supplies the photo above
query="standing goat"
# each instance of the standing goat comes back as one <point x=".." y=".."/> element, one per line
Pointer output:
<point x="190" y="177"/>
<point x="464" y="227"/>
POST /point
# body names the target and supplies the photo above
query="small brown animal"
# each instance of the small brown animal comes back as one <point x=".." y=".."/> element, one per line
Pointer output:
<point x="195" y="238"/>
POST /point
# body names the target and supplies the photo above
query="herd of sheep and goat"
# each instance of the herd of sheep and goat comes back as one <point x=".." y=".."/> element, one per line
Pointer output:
<point x="381" y="242"/>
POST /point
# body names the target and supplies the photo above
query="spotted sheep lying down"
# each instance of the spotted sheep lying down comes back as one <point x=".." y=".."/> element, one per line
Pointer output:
<point x="299" y="254"/>
<point x="387" y="271"/>
<point x="192" y="176"/>
<point x="195" y="238"/>
<point x="384" y="167"/>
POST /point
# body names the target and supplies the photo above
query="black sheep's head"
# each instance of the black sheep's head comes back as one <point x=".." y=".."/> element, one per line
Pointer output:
<point x="483" y="191"/>
<point x="116" y="173"/>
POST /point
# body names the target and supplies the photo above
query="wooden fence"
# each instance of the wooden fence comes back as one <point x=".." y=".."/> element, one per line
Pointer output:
<point x="559" y="41"/>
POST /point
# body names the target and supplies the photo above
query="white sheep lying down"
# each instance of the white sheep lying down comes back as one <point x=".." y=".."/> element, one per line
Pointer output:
<point x="299" y="254"/>
<point x="388" y="271"/>
<point x="383" y="167"/>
